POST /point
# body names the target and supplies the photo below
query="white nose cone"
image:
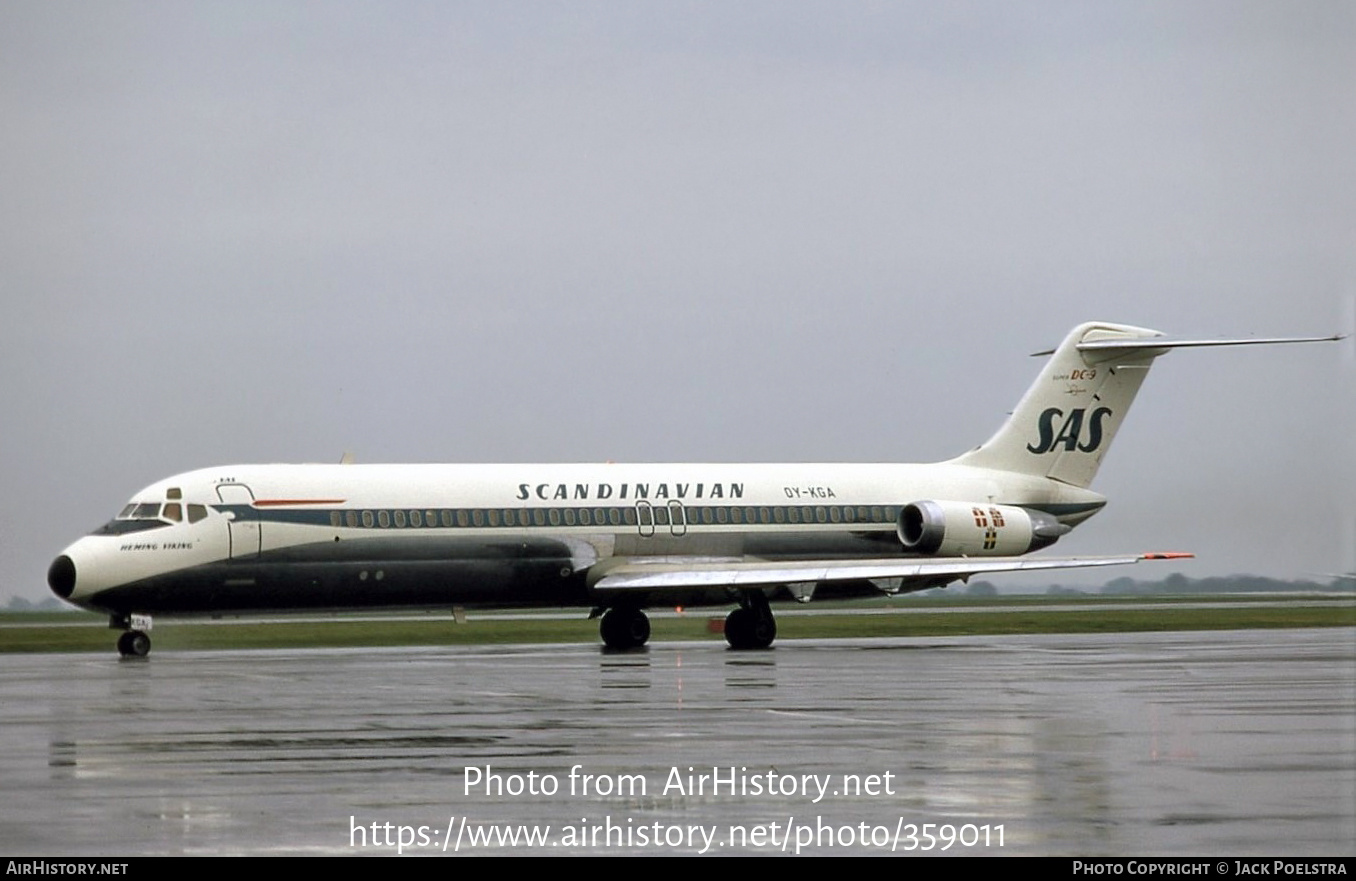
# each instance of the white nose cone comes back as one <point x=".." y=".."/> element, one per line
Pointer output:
<point x="81" y="571"/>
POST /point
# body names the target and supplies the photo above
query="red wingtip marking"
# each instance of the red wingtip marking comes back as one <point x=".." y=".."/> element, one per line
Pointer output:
<point x="1170" y="555"/>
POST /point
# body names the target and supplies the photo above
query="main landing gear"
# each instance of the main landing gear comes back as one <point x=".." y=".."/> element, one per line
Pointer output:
<point x="623" y="628"/>
<point x="134" y="642"/>
<point x="752" y="625"/>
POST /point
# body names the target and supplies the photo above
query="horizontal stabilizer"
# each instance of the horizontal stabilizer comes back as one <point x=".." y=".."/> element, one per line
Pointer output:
<point x="1186" y="344"/>
<point x="1090" y="345"/>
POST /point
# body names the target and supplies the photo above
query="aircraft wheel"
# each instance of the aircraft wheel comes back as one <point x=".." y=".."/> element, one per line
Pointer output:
<point x="750" y="629"/>
<point x="134" y="644"/>
<point x="737" y="628"/>
<point x="624" y="628"/>
<point x="764" y="630"/>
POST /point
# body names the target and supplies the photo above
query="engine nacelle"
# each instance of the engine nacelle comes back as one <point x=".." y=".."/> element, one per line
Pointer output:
<point x="974" y="529"/>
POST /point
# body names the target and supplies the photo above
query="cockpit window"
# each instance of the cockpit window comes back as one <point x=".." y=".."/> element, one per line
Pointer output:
<point x="141" y="516"/>
<point x="123" y="527"/>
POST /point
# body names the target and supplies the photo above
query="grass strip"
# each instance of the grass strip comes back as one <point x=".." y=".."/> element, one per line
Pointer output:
<point x="341" y="632"/>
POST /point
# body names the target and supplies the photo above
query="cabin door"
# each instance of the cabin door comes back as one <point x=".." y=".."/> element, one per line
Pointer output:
<point x="245" y="537"/>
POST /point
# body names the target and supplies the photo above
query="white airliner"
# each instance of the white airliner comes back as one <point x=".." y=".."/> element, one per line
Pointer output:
<point x="620" y="538"/>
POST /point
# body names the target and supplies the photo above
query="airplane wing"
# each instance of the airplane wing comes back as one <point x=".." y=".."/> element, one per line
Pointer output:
<point x="660" y="573"/>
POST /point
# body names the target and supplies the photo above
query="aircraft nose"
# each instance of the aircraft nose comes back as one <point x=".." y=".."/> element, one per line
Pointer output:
<point x="61" y="577"/>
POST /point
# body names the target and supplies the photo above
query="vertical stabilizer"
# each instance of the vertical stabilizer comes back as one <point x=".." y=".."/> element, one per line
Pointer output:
<point x="1068" y="417"/>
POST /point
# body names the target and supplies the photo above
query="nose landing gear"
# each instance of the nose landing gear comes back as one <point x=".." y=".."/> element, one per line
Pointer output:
<point x="134" y="641"/>
<point x="134" y="644"/>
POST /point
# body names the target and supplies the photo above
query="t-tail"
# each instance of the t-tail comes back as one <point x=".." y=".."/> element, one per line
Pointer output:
<point x="1066" y="421"/>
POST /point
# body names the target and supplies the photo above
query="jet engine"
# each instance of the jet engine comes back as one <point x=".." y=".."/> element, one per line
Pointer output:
<point x="975" y="529"/>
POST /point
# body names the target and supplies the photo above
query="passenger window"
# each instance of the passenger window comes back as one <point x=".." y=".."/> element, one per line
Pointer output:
<point x="416" y="518"/>
<point x="335" y="518"/>
<point x="350" y="517"/>
<point x="400" y="518"/>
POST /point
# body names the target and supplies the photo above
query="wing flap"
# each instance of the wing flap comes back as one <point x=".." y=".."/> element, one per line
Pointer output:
<point x="643" y="575"/>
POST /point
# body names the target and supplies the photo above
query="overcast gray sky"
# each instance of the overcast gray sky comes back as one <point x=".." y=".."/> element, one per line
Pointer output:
<point x="783" y="231"/>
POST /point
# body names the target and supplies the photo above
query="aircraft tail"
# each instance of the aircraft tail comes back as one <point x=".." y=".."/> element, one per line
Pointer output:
<point x="1067" y="419"/>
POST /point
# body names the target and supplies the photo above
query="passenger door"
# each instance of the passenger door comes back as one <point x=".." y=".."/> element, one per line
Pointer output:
<point x="246" y="538"/>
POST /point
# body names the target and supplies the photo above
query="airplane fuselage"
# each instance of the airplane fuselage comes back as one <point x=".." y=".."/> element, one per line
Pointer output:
<point x="275" y="537"/>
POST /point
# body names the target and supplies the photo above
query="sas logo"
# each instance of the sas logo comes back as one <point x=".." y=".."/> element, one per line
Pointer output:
<point x="1070" y="435"/>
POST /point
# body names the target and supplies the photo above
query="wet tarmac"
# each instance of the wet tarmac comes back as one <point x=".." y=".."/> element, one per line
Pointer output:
<point x="1229" y="744"/>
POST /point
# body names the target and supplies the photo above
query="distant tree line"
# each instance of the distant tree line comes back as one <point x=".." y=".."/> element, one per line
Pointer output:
<point x="50" y="604"/>
<point x="1178" y="583"/>
<point x="1172" y="584"/>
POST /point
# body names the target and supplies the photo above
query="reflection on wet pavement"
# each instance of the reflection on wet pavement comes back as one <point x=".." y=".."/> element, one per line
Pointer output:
<point x="1240" y="742"/>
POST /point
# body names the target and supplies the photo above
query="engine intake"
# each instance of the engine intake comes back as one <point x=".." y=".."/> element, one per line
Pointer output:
<point x="975" y="529"/>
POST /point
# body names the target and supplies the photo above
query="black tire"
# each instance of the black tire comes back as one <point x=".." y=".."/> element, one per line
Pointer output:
<point x="763" y="631"/>
<point x="737" y="625"/>
<point x="750" y="629"/>
<point x="134" y="644"/>
<point x="623" y="629"/>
